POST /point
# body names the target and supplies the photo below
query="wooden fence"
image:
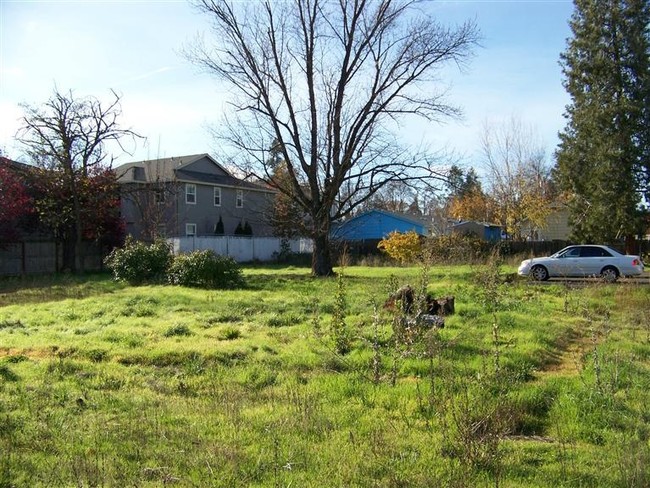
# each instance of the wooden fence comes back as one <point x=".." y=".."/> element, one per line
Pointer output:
<point x="34" y="257"/>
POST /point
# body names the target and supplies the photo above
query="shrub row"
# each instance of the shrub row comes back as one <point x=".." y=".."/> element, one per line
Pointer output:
<point x="140" y="263"/>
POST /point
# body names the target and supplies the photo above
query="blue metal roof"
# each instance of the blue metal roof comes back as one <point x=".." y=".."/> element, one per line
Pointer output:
<point x="376" y="224"/>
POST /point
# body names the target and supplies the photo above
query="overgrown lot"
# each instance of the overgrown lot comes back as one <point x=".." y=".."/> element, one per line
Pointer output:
<point x="295" y="381"/>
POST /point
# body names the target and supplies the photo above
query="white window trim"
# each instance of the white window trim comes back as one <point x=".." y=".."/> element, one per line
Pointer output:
<point x="239" y="199"/>
<point x="217" y="192"/>
<point x="187" y="193"/>
<point x="188" y="233"/>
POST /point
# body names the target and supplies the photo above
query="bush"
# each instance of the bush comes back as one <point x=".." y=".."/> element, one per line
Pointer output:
<point x="458" y="248"/>
<point x="205" y="269"/>
<point x="403" y="247"/>
<point x="138" y="262"/>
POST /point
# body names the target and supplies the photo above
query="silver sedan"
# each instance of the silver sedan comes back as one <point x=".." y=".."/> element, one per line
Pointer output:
<point x="582" y="261"/>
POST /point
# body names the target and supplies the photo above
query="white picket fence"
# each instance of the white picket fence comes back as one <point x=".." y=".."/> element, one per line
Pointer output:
<point x="241" y="249"/>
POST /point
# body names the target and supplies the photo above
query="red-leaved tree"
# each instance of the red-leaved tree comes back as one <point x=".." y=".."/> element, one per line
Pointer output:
<point x="15" y="202"/>
<point x="66" y="139"/>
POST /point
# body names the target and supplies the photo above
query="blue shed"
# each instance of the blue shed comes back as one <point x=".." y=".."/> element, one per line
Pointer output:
<point x="482" y="230"/>
<point x="375" y="225"/>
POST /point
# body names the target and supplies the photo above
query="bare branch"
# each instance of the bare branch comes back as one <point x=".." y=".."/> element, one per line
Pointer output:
<point x="328" y="80"/>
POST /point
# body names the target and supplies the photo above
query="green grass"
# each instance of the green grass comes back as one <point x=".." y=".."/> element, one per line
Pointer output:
<point x="102" y="384"/>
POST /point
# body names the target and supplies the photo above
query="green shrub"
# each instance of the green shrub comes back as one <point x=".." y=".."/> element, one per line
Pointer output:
<point x="205" y="269"/>
<point x="138" y="262"/>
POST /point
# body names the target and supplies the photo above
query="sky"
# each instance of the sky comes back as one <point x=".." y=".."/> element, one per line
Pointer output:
<point x="134" y="47"/>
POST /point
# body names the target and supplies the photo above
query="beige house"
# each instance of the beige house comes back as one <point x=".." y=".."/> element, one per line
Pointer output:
<point x="556" y="227"/>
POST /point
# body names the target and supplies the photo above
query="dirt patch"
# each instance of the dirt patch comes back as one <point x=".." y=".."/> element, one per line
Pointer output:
<point x="6" y="352"/>
<point x="567" y="359"/>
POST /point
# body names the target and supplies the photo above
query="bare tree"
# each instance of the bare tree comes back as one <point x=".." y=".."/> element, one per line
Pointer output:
<point x="66" y="137"/>
<point x="330" y="82"/>
<point x="518" y="175"/>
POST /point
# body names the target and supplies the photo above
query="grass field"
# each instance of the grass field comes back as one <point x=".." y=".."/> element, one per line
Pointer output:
<point x="303" y="382"/>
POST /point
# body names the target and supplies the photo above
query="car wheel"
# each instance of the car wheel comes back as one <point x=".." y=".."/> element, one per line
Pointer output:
<point x="539" y="273"/>
<point x="609" y="274"/>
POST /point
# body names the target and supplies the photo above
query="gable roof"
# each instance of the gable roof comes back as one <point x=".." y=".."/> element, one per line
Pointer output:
<point x="377" y="224"/>
<point x="163" y="169"/>
<point x="176" y="169"/>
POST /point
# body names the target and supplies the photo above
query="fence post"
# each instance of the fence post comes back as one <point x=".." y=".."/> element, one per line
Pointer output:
<point x="23" y="258"/>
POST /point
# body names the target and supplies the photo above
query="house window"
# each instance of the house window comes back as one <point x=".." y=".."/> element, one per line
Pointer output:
<point x="161" y="230"/>
<point x="190" y="230"/>
<point x="240" y="199"/>
<point x="190" y="193"/>
<point x="159" y="197"/>
<point x="217" y="196"/>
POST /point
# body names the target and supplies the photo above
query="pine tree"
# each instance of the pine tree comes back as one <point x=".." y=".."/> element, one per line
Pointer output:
<point x="603" y="156"/>
<point x="219" y="228"/>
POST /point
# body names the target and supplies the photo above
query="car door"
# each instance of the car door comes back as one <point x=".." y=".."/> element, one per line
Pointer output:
<point x="567" y="263"/>
<point x="594" y="259"/>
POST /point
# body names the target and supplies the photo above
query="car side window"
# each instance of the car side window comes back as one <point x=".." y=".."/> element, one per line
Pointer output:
<point x="588" y="252"/>
<point x="594" y="252"/>
<point x="572" y="253"/>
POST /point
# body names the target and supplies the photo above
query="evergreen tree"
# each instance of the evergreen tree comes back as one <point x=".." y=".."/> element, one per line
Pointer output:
<point x="219" y="228"/>
<point x="460" y="183"/>
<point x="603" y="156"/>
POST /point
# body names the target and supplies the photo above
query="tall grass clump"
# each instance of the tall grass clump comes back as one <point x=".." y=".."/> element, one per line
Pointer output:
<point x="341" y="333"/>
<point x="205" y="269"/>
<point x="138" y="262"/>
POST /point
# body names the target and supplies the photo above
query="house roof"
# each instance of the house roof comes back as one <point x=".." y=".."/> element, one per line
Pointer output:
<point x="470" y="222"/>
<point x="376" y="224"/>
<point x="163" y="169"/>
<point x="400" y="216"/>
<point x="176" y="169"/>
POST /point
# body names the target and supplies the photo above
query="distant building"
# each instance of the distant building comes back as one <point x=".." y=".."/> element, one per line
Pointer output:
<point x="375" y="225"/>
<point x="482" y="230"/>
<point x="191" y="196"/>
<point x="556" y="227"/>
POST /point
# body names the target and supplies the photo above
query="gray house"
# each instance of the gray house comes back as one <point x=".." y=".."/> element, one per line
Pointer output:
<point x="191" y="196"/>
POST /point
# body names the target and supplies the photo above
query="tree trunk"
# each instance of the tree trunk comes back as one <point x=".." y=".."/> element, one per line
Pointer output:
<point x="321" y="260"/>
